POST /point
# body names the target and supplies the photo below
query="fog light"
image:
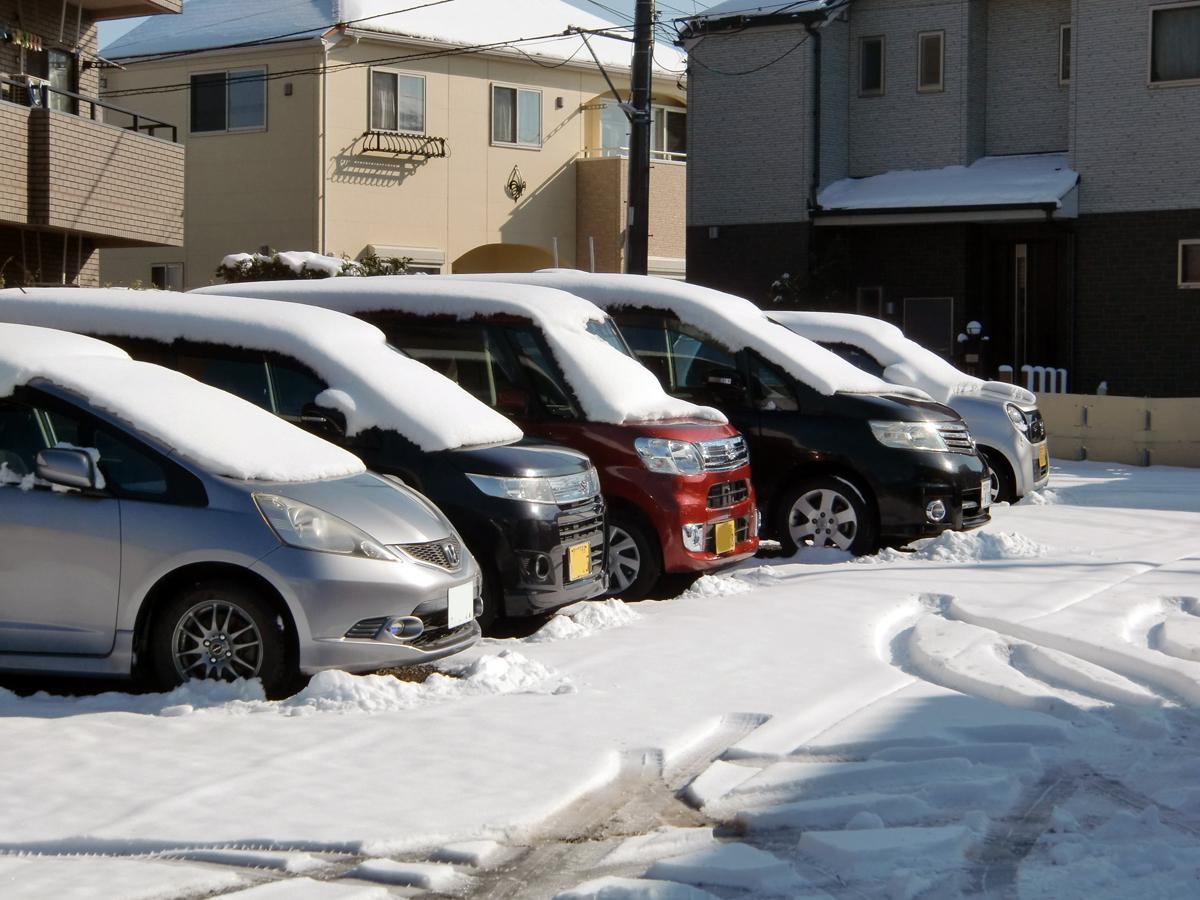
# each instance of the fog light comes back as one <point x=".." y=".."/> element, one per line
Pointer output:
<point x="693" y="536"/>
<point x="541" y="568"/>
<point x="936" y="511"/>
<point x="404" y="628"/>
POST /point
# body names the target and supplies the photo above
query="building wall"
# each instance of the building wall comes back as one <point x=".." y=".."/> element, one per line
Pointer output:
<point x="44" y="18"/>
<point x="1134" y="144"/>
<point x="749" y="135"/>
<point x="14" y="163"/>
<point x="835" y="102"/>
<point x="602" y="191"/>
<point x="1027" y="109"/>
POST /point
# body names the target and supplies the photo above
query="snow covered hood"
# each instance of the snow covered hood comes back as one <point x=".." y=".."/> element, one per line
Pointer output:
<point x="178" y="411"/>
<point x="735" y="322"/>
<point x="1042" y="179"/>
<point x="369" y="382"/>
<point x="610" y="386"/>
<point x="206" y="24"/>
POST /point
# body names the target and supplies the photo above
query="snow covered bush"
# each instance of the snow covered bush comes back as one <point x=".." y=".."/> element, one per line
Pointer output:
<point x="271" y="265"/>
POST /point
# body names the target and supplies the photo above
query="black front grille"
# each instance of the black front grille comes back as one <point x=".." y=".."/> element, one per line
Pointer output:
<point x="1037" y="426"/>
<point x="365" y="630"/>
<point x="581" y="521"/>
<point x="957" y="437"/>
<point x="447" y="554"/>
<point x="724" y="454"/>
<point x="741" y="529"/>
<point x="727" y="493"/>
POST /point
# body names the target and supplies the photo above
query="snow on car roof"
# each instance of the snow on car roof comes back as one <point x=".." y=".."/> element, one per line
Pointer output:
<point x="249" y="444"/>
<point x="735" y="322"/>
<point x="905" y="361"/>
<point x="369" y="382"/>
<point x="610" y="386"/>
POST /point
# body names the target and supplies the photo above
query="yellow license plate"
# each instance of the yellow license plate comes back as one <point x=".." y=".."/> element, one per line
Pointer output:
<point x="725" y="536"/>
<point x="1043" y="456"/>
<point x="579" y="561"/>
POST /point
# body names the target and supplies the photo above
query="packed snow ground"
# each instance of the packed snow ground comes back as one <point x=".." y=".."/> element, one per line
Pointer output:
<point x="1007" y="713"/>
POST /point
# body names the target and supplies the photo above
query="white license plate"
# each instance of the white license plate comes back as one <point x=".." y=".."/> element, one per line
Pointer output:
<point x="985" y="493"/>
<point x="460" y="605"/>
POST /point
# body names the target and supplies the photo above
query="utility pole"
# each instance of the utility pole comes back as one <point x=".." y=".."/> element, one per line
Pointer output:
<point x="637" y="223"/>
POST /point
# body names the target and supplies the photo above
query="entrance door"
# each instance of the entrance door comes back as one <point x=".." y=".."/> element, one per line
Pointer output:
<point x="1024" y="308"/>
<point x="930" y="322"/>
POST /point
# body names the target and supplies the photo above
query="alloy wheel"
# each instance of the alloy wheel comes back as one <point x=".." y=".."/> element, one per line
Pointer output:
<point x="994" y="486"/>
<point x="624" y="559"/>
<point x="823" y="518"/>
<point x="216" y="639"/>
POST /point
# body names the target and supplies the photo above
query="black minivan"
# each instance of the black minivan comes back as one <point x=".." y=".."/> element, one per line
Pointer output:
<point x="530" y="512"/>
<point x="850" y="466"/>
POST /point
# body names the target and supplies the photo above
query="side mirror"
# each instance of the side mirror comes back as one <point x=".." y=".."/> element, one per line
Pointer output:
<point x="68" y="468"/>
<point x="327" y="423"/>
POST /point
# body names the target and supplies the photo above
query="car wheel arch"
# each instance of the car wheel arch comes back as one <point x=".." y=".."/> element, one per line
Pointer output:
<point x="993" y="455"/>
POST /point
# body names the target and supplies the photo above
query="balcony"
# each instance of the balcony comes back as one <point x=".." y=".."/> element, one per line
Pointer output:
<point x="62" y="168"/>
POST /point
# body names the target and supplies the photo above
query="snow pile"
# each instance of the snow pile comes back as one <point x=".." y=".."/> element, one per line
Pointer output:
<point x="609" y="385"/>
<point x="27" y="877"/>
<point x="1044" y="497"/>
<point x="964" y="547"/>
<point x="438" y="877"/>
<point x="1039" y="179"/>
<point x="663" y="842"/>
<point x="720" y="585"/>
<point x="25" y="482"/>
<point x="753" y="8"/>
<point x="731" y="866"/>
<point x="733" y="321"/>
<point x="250" y="444"/>
<point x="613" y="888"/>
<point x="369" y="382"/>
<point x="585" y="619"/>
<point x="299" y="261"/>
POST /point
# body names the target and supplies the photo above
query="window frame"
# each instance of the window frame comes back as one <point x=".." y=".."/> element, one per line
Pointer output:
<point x="247" y="129"/>
<point x="517" y="90"/>
<point x="1150" y="82"/>
<point x="166" y="267"/>
<point x="882" y="90"/>
<point x="399" y="73"/>
<point x="1066" y="54"/>
<point x="940" y="87"/>
<point x="1186" y="285"/>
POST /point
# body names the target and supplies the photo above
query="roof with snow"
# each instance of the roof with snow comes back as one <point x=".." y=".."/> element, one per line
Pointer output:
<point x="209" y="24"/>
<point x="370" y="383"/>
<point x="1035" y="180"/>
<point x="609" y="385"/>
<point x="251" y="444"/>
<point x="747" y="13"/>
<point x="735" y="322"/>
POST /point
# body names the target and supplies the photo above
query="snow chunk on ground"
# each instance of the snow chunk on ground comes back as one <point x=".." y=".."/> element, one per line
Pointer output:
<point x="429" y="876"/>
<point x="716" y="781"/>
<point x="732" y="866"/>
<point x="660" y="844"/>
<point x="867" y="851"/>
<point x="307" y="889"/>
<point x="80" y="877"/>
<point x="584" y="619"/>
<point x="633" y="889"/>
<point x="832" y="812"/>
<point x="471" y="853"/>
<point x="292" y="863"/>
<point x="717" y="586"/>
<point x="964" y="547"/>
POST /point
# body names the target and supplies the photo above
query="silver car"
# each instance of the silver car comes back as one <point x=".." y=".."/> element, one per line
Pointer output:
<point x="152" y="524"/>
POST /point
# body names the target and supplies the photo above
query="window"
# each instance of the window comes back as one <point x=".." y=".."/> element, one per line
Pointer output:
<point x="21" y="439"/>
<point x="669" y="137"/>
<point x="294" y="387"/>
<point x="229" y="101"/>
<point x="1189" y="264"/>
<point x="682" y="357"/>
<point x="871" y="57"/>
<point x="1175" y="43"/>
<point x="857" y="357"/>
<point x="397" y="101"/>
<point x="1064" y="54"/>
<point x="542" y="373"/>
<point x="167" y="276"/>
<point x="606" y="330"/>
<point x="245" y="378"/>
<point x="929" y="63"/>
<point x="770" y="388"/>
<point x="516" y="116"/>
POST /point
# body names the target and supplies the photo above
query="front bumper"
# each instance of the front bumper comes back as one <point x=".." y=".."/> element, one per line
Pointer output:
<point x="1032" y="467"/>
<point x="708" y="500"/>
<point x="959" y="481"/>
<point x="334" y="599"/>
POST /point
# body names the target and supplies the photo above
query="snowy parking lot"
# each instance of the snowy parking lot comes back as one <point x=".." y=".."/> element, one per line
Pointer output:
<point x="1009" y="712"/>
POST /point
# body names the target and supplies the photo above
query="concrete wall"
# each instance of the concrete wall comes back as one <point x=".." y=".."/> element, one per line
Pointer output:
<point x="1135" y="144"/>
<point x="1132" y="430"/>
<point x="1027" y="109"/>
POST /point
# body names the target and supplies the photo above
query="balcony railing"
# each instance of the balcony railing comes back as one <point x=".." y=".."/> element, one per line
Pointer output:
<point x="38" y="94"/>
<point x="623" y="153"/>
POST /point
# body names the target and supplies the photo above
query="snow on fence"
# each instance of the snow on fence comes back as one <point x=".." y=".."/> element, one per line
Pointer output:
<point x="1043" y="379"/>
<point x="1140" y="431"/>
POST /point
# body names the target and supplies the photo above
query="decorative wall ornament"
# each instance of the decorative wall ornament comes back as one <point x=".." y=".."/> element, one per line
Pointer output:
<point x="515" y="186"/>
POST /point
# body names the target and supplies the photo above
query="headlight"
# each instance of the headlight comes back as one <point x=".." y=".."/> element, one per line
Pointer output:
<point x="1017" y="416"/>
<point x="670" y="457"/>
<point x="300" y="525"/>
<point x="559" y="489"/>
<point x="910" y="436"/>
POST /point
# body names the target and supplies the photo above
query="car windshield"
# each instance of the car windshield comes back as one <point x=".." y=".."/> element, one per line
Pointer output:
<point x="606" y="330"/>
<point x="858" y="357"/>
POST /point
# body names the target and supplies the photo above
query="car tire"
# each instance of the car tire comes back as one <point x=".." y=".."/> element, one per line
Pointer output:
<point x="245" y="633"/>
<point x="825" y="511"/>
<point x="634" y="558"/>
<point x="1003" y="488"/>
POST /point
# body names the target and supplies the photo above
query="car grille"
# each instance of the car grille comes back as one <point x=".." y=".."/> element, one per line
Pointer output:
<point x="447" y="554"/>
<point x="972" y="504"/>
<point x="957" y="437"/>
<point x="741" y="528"/>
<point x="366" y="629"/>
<point x="727" y="493"/>
<point x="724" y="454"/>
<point x="1037" y="426"/>
<point x="580" y="521"/>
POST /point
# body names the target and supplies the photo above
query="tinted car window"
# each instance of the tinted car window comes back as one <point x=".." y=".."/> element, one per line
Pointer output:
<point x="607" y="331"/>
<point x="543" y="374"/>
<point x="246" y="378"/>
<point x="295" y="388"/>
<point x="683" y="358"/>
<point x="769" y="388"/>
<point x="21" y="437"/>
<point x="857" y="357"/>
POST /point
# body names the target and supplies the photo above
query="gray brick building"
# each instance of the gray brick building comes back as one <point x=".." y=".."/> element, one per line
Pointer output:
<point x="1033" y="165"/>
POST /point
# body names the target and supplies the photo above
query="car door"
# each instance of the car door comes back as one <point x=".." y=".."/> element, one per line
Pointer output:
<point x="60" y="550"/>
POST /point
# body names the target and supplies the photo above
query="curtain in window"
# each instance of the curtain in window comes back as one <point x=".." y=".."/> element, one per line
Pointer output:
<point x="614" y="130"/>
<point x="504" y="115"/>
<point x="529" y="117"/>
<point x="1176" y="54"/>
<point x="247" y="99"/>
<point x="411" y="103"/>
<point x="383" y="101"/>
<point x="61" y="76"/>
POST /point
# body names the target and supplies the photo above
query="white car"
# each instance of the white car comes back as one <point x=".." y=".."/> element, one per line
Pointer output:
<point x="1004" y="418"/>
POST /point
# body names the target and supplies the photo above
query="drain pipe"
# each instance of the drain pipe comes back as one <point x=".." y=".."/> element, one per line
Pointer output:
<point x="814" y="187"/>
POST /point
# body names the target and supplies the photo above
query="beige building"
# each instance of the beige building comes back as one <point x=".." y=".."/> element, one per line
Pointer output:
<point x="76" y="174"/>
<point x="353" y="141"/>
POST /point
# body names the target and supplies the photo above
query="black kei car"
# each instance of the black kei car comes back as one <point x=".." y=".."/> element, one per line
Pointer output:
<point x="845" y="469"/>
<point x="530" y="512"/>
